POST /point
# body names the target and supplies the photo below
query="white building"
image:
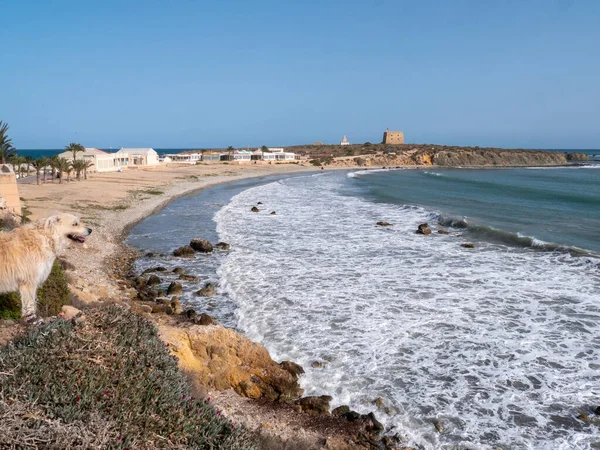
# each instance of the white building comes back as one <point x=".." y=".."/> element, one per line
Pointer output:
<point x="103" y="161"/>
<point x="277" y="154"/>
<point x="242" y="155"/>
<point x="189" y="158"/>
<point x="344" y="141"/>
<point x="138" y="156"/>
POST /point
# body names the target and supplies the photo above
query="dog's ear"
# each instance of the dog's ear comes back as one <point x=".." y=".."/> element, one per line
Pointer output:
<point x="49" y="222"/>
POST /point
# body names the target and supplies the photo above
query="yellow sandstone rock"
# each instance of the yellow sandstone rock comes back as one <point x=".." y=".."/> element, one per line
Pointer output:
<point x="221" y="358"/>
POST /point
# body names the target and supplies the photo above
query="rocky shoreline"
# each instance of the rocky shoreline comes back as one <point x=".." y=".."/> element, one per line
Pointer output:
<point x="219" y="359"/>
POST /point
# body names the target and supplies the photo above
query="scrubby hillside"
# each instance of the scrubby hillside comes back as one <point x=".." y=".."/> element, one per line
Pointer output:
<point x="103" y="382"/>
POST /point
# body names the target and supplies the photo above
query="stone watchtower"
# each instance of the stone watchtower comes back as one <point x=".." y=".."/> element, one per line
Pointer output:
<point x="9" y="194"/>
<point x="393" y="137"/>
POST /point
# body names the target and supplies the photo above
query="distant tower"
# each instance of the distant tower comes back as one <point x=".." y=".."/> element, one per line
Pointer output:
<point x="344" y="141"/>
<point x="393" y="137"/>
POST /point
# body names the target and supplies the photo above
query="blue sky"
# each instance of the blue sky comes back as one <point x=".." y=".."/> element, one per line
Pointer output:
<point x="185" y="73"/>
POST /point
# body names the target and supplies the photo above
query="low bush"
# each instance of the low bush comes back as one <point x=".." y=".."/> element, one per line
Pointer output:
<point x="109" y="377"/>
<point x="52" y="295"/>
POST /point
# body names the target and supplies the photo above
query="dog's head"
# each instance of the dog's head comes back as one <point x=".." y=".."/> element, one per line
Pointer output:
<point x="65" y="227"/>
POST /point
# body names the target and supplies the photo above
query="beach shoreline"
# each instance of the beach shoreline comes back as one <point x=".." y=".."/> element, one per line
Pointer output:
<point x="101" y="274"/>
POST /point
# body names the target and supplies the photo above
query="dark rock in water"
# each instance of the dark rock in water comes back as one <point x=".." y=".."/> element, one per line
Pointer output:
<point x="186" y="251"/>
<point x="292" y="367"/>
<point x="259" y="203"/>
<point x="174" y="288"/>
<point x="254" y="209"/>
<point x="443" y="232"/>
<point x="178" y="270"/>
<point x="149" y="254"/>
<point x="423" y="229"/>
<point x="318" y="364"/>
<point x="384" y="224"/>
<point x="315" y="405"/>
<point x="467" y="245"/>
<point x="375" y="426"/>
<point x="207" y="291"/>
<point x="185" y="277"/>
<point x="154" y="269"/>
<point x="597" y="410"/>
<point x="351" y="416"/>
<point x="201" y="245"/>
<point x="204" y="320"/>
<point x="153" y="280"/>
<point x="340" y="411"/>
<point x="223" y="246"/>
<point x="273" y="213"/>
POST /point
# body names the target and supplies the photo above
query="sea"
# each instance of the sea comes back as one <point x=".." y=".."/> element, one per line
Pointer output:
<point x="495" y="346"/>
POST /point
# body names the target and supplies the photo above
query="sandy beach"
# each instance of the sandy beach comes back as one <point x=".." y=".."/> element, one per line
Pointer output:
<point x="110" y="203"/>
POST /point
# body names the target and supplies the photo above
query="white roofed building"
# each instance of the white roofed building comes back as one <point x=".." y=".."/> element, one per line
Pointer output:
<point x="139" y="156"/>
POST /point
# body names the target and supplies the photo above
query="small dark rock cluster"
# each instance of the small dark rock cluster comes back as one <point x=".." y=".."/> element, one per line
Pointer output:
<point x="423" y="229"/>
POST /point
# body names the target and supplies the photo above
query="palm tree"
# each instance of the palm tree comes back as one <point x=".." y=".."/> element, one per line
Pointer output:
<point x="53" y="162"/>
<point x="230" y="150"/>
<point x="264" y="148"/>
<point x="75" y="148"/>
<point x="86" y="166"/>
<point x="68" y="169"/>
<point x="78" y="168"/>
<point x="6" y="147"/>
<point x="17" y="163"/>
<point x="38" y="165"/>
<point x="62" y="165"/>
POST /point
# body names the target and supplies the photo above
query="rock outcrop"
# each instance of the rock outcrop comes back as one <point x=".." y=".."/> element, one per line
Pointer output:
<point x="201" y="245"/>
<point x="572" y="157"/>
<point x="424" y="229"/>
<point x="220" y="358"/>
<point x="207" y="291"/>
<point x="451" y="156"/>
<point x="223" y="246"/>
<point x="186" y="251"/>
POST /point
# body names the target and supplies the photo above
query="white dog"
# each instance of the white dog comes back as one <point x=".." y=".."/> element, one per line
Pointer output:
<point x="27" y="254"/>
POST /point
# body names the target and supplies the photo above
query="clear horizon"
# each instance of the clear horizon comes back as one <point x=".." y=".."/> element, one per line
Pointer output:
<point x="198" y="74"/>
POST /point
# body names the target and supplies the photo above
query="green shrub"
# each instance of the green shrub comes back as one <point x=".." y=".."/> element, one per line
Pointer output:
<point x="52" y="295"/>
<point x="112" y="370"/>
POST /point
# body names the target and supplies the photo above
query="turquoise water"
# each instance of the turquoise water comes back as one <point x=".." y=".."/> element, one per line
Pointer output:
<point x="558" y="205"/>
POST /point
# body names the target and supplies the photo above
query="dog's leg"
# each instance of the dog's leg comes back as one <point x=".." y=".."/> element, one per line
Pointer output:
<point x="28" y="302"/>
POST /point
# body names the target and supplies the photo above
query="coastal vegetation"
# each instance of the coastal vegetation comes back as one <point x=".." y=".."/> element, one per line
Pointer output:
<point x="7" y="150"/>
<point x="105" y="380"/>
<point x="52" y="295"/>
<point x="75" y="148"/>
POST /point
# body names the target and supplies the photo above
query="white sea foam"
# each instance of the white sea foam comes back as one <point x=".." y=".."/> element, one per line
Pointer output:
<point x="501" y="345"/>
<point x="360" y="173"/>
